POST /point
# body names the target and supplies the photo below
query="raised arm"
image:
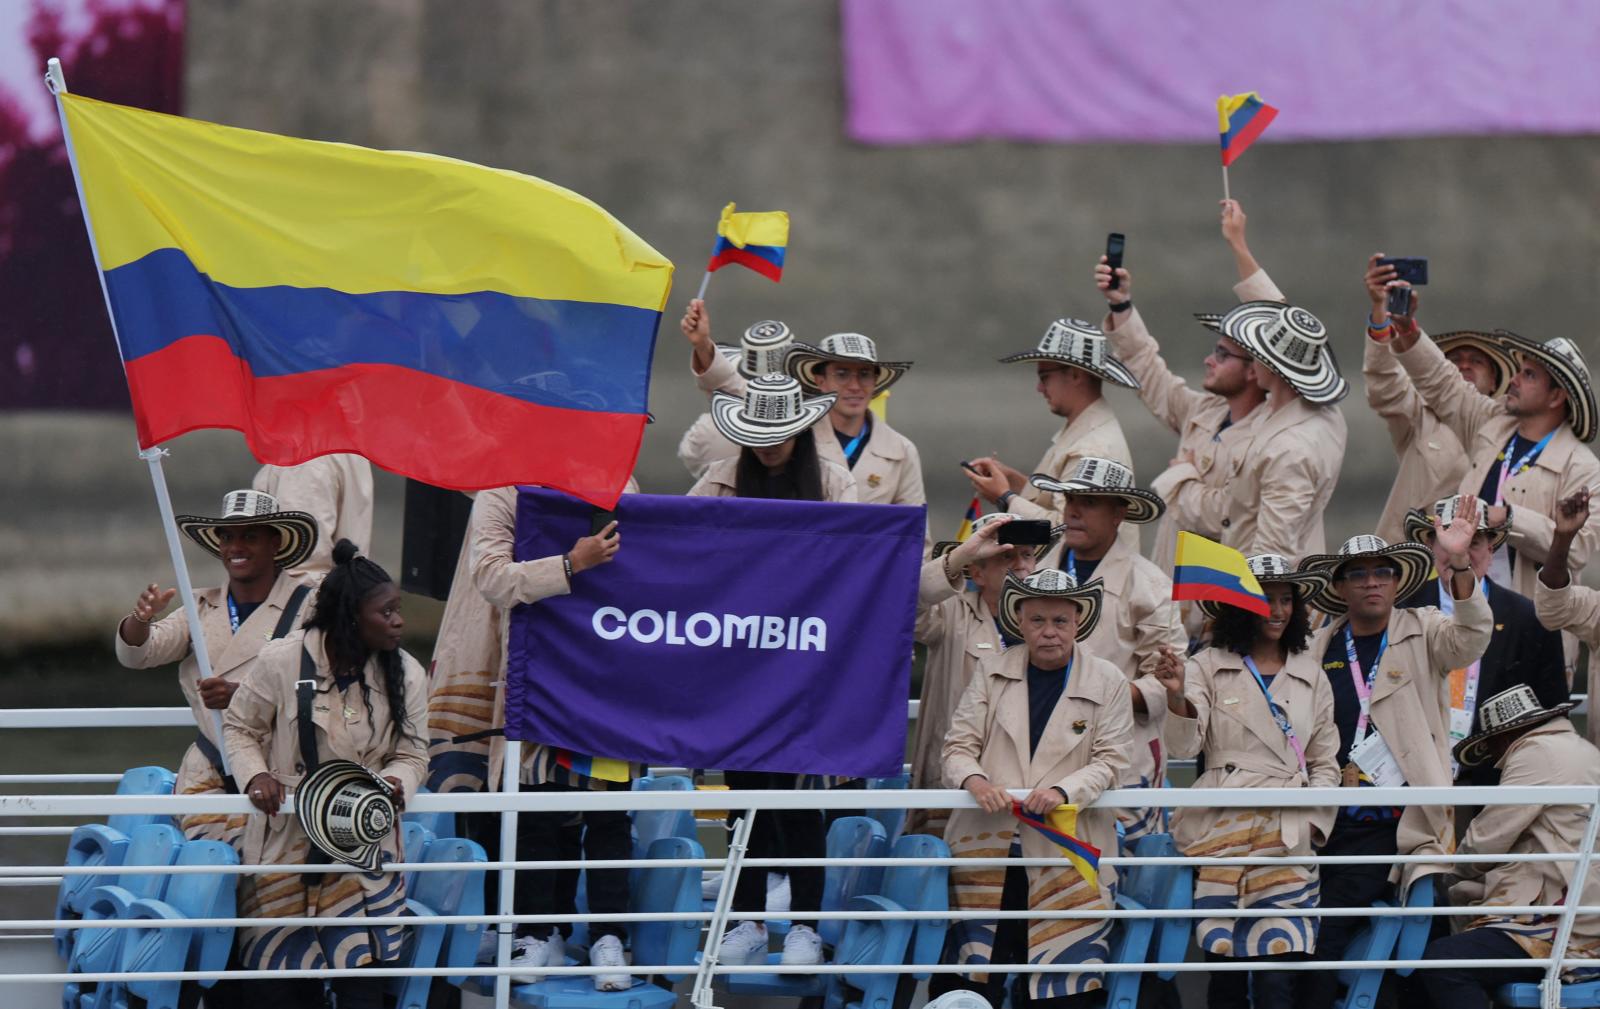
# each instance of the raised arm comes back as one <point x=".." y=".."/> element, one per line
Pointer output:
<point x="1164" y="394"/>
<point x="143" y="641"/>
<point x="1389" y="390"/>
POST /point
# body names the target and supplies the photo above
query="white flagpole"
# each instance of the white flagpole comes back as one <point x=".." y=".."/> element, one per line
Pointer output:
<point x="57" y="83"/>
<point x="1225" y="194"/>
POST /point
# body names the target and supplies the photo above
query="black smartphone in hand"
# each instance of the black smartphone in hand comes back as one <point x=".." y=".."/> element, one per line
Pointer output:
<point x="599" y="519"/>
<point x="1024" y="533"/>
<point x="1399" y="301"/>
<point x="1411" y="269"/>
<point x="1115" y="243"/>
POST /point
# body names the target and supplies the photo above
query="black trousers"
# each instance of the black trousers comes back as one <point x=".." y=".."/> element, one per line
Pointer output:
<point x="1346" y="886"/>
<point x="1471" y="987"/>
<point x="307" y="993"/>
<point x="1011" y="946"/>
<point x="607" y="834"/>
<point x="1262" y="989"/>
<point x="780" y="833"/>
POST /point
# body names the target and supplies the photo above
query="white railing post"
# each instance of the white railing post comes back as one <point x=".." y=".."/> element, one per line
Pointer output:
<point x="1550" y="987"/>
<point x="700" y="997"/>
<point x="510" y="783"/>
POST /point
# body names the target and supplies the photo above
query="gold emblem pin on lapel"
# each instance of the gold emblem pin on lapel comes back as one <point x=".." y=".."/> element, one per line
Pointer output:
<point x="1080" y="725"/>
<point x="1395" y="675"/>
<point x="874" y="480"/>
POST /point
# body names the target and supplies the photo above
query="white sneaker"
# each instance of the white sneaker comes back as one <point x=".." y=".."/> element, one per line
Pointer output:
<point x="745" y="943"/>
<point x="607" y="952"/>
<point x="777" y="892"/>
<point x="802" y="947"/>
<point x="710" y="885"/>
<point x="488" y="945"/>
<point x="531" y="954"/>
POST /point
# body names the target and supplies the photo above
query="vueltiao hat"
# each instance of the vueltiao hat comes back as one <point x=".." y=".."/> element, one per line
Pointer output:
<point x="762" y="350"/>
<point x="1414" y="561"/>
<point x="297" y="531"/>
<point x="347" y="811"/>
<point x="1508" y="711"/>
<point x="1050" y="583"/>
<point x="806" y="362"/>
<point x="1097" y="477"/>
<point x="1418" y="521"/>
<point x="1078" y="344"/>
<point x="1564" y="361"/>
<point x="770" y="412"/>
<point x="1490" y="345"/>
<point x="1275" y="569"/>
<point x="1289" y="341"/>
<point x="945" y="546"/>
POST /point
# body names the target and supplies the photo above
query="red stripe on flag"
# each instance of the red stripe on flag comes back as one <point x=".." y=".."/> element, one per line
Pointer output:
<point x="733" y="255"/>
<point x="441" y="432"/>
<point x="1217" y="594"/>
<point x="1248" y="133"/>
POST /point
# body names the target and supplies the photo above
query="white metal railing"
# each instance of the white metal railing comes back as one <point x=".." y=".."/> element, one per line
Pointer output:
<point x="510" y="803"/>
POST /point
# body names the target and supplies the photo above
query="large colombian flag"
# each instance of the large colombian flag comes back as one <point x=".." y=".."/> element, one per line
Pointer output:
<point x="465" y="326"/>
<point x="1205" y="570"/>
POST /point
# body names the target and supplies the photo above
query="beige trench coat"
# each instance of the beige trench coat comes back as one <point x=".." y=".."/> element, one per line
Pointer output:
<point x="1094" y="433"/>
<point x="1575" y="609"/>
<point x="722" y="480"/>
<point x="1549" y="754"/>
<point x="502" y="582"/>
<point x="958" y="630"/>
<point x="261" y="730"/>
<point x="1432" y="461"/>
<point x="336" y="490"/>
<point x="889" y="470"/>
<point x="1086" y="749"/>
<point x="1481" y="422"/>
<point x="1411" y="709"/>
<point x="232" y="657"/>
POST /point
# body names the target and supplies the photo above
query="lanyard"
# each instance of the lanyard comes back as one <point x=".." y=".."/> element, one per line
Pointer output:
<point x="1278" y="714"/>
<point x="233" y="614"/>
<point x="852" y="448"/>
<point x="1072" y="567"/>
<point x="1510" y="469"/>
<point x="1363" y="683"/>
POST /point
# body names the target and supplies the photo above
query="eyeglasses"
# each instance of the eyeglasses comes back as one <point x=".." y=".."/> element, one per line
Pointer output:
<point x="1381" y="575"/>
<point x="1222" y="354"/>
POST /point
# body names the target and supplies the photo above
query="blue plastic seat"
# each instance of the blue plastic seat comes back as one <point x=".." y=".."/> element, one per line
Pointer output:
<point x="149" y="780"/>
<point x="1579" y="995"/>
<point x="439" y="824"/>
<point x="665" y="890"/>
<point x="879" y="941"/>
<point x="187" y="895"/>
<point x="1150" y="940"/>
<point x="851" y="837"/>
<point x="99" y="950"/>
<point x="893" y="820"/>
<point x="1374" y="942"/>
<point x="649" y="825"/>
<point x="1414" y="929"/>
<point x="921" y="888"/>
<point x="444" y="891"/>
<point x="95" y="844"/>
<point x="414" y="841"/>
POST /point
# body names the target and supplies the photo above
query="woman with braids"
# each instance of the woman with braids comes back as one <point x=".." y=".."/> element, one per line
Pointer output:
<point x="1257" y="704"/>
<point x="369" y="705"/>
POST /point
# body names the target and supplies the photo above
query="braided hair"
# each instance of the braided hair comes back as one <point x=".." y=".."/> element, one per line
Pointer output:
<point x="337" y="612"/>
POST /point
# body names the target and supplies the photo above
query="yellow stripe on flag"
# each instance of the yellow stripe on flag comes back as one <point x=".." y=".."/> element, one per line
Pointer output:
<point x="765" y="227"/>
<point x="1199" y="552"/>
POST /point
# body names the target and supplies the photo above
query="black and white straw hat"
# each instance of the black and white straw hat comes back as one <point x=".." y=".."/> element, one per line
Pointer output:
<point x="1290" y="341"/>
<point x="1510" y="710"/>
<point x="1562" y="358"/>
<point x="806" y="362"/>
<point x="762" y="350"/>
<point x="945" y="546"/>
<point x="347" y="811"/>
<point x="1078" y="344"/>
<point x="1275" y="569"/>
<point x="1418" y="521"/>
<point x="1414" y="561"/>
<point x="1490" y="345"/>
<point x="1106" y="478"/>
<point x="1050" y="583"/>
<point x="770" y="412"/>
<point x="297" y="531"/>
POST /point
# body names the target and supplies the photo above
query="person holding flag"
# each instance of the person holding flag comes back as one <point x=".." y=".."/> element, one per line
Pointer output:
<point x="1388" y="668"/>
<point x="1257" y="706"/>
<point x="762" y="350"/>
<point x="1052" y="717"/>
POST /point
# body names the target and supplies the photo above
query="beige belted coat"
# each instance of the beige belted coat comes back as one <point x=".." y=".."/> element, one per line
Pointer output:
<point x="1085" y="749"/>
<point x="1432" y="461"/>
<point x="1549" y="754"/>
<point x="1094" y="433"/>
<point x="1481" y="422"/>
<point x="232" y="656"/>
<point x="261" y="732"/>
<point x="1410" y="709"/>
<point x="336" y="490"/>
<point x="1575" y="609"/>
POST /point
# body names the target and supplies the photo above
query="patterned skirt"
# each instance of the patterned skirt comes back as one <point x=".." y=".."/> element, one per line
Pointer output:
<point x="198" y="776"/>
<point x="1253" y="832"/>
<point x="1063" y="941"/>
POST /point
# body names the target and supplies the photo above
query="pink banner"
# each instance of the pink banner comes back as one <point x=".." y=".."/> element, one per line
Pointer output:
<point x="932" y="71"/>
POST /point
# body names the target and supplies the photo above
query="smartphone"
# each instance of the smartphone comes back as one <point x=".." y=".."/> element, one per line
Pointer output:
<point x="599" y="520"/>
<point x="969" y="467"/>
<point x="1399" y="301"/>
<point x="1413" y="270"/>
<point x="1024" y="533"/>
<point x="1114" y="246"/>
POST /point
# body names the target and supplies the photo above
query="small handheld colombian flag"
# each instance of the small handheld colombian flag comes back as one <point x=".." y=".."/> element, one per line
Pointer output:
<point x="754" y="240"/>
<point x="974" y="510"/>
<point x="1241" y="119"/>
<point x="1058" y="826"/>
<point x="1203" y="570"/>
